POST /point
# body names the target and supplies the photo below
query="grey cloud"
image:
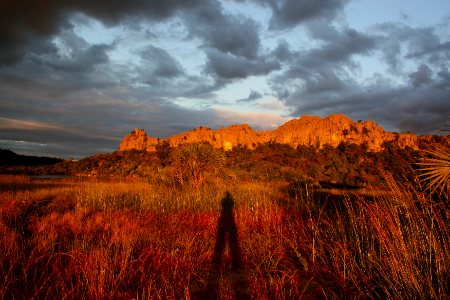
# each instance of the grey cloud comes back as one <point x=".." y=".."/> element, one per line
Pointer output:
<point x="316" y="81"/>
<point x="79" y="56"/>
<point x="237" y="35"/>
<point x="397" y="109"/>
<point x="321" y="69"/>
<point x="231" y="43"/>
<point x="83" y="61"/>
<point x="283" y="52"/>
<point x="421" y="44"/>
<point x="72" y="42"/>
<point x="341" y="45"/>
<point x="422" y="76"/>
<point x="324" y="80"/>
<point x="290" y="13"/>
<point x="254" y="95"/>
<point x="203" y="88"/>
<point x="424" y="42"/>
<point x="231" y="67"/>
<point x="113" y="13"/>
<point x="160" y="63"/>
<point x="150" y="35"/>
<point x="444" y="82"/>
<point x="311" y="75"/>
<point x="12" y="52"/>
<point x="40" y="79"/>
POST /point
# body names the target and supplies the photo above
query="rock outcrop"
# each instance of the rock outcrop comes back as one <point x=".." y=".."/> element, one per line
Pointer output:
<point x="308" y="130"/>
<point x="138" y="140"/>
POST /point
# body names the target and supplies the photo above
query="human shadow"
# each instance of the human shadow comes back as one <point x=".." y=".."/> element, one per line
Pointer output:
<point x="227" y="234"/>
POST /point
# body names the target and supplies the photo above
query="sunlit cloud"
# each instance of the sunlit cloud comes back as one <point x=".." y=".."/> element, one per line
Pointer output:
<point x="264" y="121"/>
<point x="6" y="123"/>
<point x="272" y="105"/>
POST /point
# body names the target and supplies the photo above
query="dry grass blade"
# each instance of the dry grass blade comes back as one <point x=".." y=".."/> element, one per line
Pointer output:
<point x="436" y="170"/>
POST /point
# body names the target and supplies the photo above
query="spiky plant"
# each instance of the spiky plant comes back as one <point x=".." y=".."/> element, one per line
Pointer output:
<point x="436" y="171"/>
<point x="447" y="129"/>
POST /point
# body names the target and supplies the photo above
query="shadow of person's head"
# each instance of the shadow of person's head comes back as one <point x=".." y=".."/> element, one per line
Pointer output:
<point x="227" y="202"/>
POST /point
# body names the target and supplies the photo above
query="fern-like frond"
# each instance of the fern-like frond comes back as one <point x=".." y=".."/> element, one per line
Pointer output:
<point x="436" y="170"/>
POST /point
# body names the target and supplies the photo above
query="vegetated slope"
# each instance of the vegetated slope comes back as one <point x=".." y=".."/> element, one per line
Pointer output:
<point x="348" y="163"/>
<point x="306" y="131"/>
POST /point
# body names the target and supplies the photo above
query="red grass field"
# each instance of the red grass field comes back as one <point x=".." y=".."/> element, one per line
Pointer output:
<point x="90" y="239"/>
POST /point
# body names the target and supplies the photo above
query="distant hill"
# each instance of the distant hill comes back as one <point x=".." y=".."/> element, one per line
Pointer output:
<point x="306" y="131"/>
<point x="9" y="158"/>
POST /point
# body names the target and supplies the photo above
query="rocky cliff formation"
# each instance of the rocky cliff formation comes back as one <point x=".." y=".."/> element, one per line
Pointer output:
<point x="308" y="130"/>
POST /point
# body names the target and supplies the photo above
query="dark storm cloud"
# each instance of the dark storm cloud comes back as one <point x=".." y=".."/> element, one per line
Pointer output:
<point x="25" y="25"/>
<point x="231" y="67"/>
<point x="12" y="52"/>
<point x="290" y="13"/>
<point x="237" y="35"/>
<point x="254" y="95"/>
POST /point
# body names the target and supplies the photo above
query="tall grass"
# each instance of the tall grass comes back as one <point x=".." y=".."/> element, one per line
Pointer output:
<point x="387" y="247"/>
<point x="141" y="240"/>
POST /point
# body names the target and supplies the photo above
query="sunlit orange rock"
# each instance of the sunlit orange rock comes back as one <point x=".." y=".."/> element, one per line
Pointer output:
<point x="136" y="140"/>
<point x="308" y="130"/>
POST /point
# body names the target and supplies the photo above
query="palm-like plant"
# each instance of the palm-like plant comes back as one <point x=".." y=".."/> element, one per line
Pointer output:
<point x="437" y="170"/>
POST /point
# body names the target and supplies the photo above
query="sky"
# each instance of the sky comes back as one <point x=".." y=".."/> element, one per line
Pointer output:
<point x="76" y="76"/>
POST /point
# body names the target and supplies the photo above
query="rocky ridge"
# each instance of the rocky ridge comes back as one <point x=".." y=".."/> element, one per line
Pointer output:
<point x="308" y="130"/>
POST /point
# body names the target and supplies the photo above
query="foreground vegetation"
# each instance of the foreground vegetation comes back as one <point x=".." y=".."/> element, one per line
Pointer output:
<point x="142" y="239"/>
